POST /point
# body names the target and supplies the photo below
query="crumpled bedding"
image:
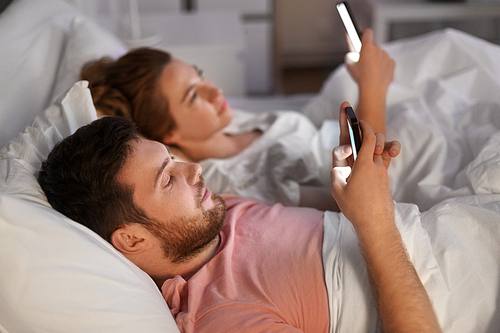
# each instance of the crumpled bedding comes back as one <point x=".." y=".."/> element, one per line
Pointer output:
<point x="444" y="107"/>
<point x="272" y="167"/>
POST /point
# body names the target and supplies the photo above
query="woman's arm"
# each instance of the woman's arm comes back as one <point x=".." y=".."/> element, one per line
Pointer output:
<point x="373" y="73"/>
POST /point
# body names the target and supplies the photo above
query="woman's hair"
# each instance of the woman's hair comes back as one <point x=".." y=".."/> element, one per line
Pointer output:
<point x="129" y="87"/>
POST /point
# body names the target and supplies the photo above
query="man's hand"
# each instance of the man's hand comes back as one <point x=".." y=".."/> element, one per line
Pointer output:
<point x="311" y="196"/>
<point x="362" y="192"/>
<point x="388" y="150"/>
<point x="371" y="186"/>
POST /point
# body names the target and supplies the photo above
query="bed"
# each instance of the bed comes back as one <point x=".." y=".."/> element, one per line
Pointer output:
<point x="444" y="106"/>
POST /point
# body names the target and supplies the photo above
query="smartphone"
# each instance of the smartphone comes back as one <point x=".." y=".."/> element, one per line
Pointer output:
<point x="354" y="131"/>
<point x="350" y="25"/>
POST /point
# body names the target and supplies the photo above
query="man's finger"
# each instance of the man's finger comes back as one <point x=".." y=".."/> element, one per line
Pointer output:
<point x="369" y="141"/>
<point x="380" y="144"/>
<point x="339" y="176"/>
<point x="340" y="155"/>
<point x="344" y="131"/>
<point x="393" y="147"/>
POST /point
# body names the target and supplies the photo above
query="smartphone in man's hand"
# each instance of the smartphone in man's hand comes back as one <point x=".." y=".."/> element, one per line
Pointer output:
<point x="354" y="131"/>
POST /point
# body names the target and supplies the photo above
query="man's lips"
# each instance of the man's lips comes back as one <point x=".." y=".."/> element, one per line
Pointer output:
<point x="206" y="194"/>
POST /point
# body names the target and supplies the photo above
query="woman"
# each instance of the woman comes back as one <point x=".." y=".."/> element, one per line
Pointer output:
<point x="273" y="157"/>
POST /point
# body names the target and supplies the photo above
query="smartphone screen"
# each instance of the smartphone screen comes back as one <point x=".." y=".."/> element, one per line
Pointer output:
<point x="350" y="25"/>
<point x="354" y="131"/>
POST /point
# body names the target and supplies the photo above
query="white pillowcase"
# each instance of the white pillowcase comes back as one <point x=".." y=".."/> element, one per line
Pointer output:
<point x="86" y="41"/>
<point x="57" y="275"/>
<point x="31" y="42"/>
<point x="43" y="44"/>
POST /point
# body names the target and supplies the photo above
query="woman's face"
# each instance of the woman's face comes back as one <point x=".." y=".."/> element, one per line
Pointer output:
<point x="198" y="107"/>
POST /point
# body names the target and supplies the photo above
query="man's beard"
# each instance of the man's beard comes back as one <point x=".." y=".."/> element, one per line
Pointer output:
<point x="188" y="236"/>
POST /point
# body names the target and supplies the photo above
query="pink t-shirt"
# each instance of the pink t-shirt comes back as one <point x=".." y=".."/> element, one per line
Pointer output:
<point x="267" y="275"/>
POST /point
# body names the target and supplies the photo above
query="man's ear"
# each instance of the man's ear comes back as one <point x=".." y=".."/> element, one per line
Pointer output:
<point x="173" y="138"/>
<point x="131" y="239"/>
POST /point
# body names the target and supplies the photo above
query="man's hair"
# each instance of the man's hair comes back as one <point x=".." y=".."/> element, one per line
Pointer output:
<point x="79" y="176"/>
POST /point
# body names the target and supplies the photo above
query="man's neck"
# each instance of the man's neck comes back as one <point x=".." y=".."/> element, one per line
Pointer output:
<point x="187" y="269"/>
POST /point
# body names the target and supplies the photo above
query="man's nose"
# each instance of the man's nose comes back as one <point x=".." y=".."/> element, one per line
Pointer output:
<point x="193" y="173"/>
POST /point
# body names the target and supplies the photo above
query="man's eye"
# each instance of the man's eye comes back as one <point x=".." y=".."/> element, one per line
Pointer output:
<point x="193" y="97"/>
<point x="167" y="182"/>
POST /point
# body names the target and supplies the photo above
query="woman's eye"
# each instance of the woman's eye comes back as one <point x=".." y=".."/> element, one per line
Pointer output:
<point x="199" y="71"/>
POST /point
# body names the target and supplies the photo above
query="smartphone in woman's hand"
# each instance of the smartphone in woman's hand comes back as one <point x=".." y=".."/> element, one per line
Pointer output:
<point x="350" y="25"/>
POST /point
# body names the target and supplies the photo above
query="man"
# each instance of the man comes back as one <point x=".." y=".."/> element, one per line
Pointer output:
<point x="251" y="267"/>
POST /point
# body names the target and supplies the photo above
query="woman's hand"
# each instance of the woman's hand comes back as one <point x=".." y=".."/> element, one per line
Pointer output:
<point x="373" y="73"/>
<point x="374" y="69"/>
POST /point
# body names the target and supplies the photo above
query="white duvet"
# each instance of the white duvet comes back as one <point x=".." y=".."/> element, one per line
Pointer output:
<point x="444" y="107"/>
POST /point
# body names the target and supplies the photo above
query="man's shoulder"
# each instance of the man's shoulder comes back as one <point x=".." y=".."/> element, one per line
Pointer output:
<point x="253" y="210"/>
<point x="235" y="201"/>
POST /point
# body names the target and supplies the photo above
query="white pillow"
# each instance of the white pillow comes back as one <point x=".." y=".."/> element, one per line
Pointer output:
<point x="31" y="42"/>
<point x="58" y="276"/>
<point x="86" y="41"/>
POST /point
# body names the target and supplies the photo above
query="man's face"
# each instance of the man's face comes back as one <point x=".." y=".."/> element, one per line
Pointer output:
<point x="173" y="193"/>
